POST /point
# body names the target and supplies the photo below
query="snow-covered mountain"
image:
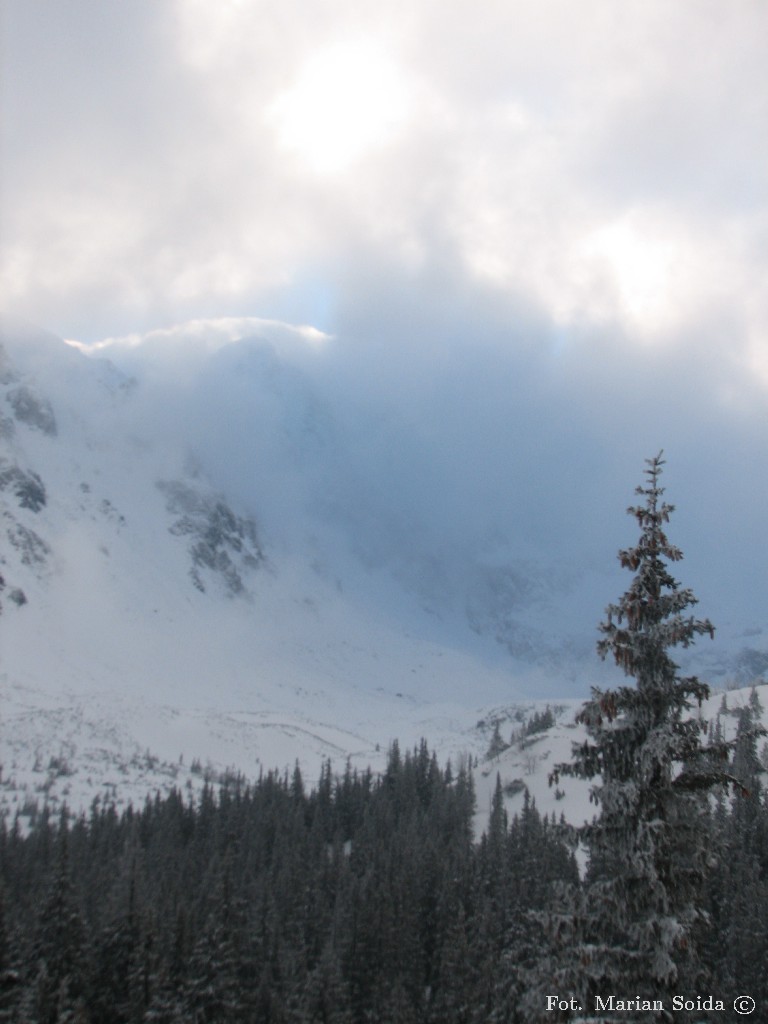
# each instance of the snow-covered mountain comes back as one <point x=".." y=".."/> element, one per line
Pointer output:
<point x="150" y="623"/>
<point x="202" y="573"/>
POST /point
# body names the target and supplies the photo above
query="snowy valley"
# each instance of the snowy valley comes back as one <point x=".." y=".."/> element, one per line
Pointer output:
<point x="166" y="624"/>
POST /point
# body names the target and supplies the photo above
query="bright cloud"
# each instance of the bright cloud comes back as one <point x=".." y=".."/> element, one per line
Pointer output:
<point x="648" y="270"/>
<point x="178" y="160"/>
<point x="348" y="99"/>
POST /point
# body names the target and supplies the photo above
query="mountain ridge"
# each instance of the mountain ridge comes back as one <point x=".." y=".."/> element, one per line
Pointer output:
<point x="152" y="613"/>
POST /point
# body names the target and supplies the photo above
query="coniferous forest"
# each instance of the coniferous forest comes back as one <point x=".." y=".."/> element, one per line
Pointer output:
<point x="368" y="898"/>
<point x="360" y="899"/>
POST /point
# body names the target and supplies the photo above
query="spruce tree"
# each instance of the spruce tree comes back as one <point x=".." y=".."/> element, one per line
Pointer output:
<point x="740" y="895"/>
<point x="631" y="927"/>
<point x="60" y="947"/>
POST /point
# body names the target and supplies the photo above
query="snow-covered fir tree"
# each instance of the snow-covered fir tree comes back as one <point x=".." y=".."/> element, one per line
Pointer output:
<point x="631" y="929"/>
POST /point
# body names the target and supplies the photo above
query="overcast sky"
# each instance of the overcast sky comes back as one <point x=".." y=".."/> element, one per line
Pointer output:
<point x="539" y="221"/>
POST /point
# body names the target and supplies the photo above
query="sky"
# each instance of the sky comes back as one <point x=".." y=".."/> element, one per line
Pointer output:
<point x="532" y="236"/>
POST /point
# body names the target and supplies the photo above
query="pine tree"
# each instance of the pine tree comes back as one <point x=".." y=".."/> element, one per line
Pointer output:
<point x="631" y="928"/>
<point x="9" y="976"/>
<point x="59" y="952"/>
<point x="497" y="745"/>
<point x="742" y="887"/>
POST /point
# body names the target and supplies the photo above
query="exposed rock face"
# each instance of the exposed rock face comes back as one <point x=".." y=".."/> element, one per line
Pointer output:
<point x="33" y="409"/>
<point x="222" y="544"/>
<point x="26" y="486"/>
<point x="33" y="550"/>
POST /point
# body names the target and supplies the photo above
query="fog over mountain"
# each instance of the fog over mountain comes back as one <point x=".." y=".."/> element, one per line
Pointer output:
<point x="461" y="498"/>
<point x="488" y="484"/>
<point x="215" y="547"/>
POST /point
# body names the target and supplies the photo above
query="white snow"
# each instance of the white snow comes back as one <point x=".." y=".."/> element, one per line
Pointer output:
<point x="118" y="675"/>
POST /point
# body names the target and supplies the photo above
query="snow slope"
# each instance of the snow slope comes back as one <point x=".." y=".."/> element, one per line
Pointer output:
<point x="164" y="622"/>
<point x="145" y="622"/>
<point x="528" y="760"/>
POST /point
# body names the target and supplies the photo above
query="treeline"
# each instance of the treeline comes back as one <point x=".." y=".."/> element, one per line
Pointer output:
<point x="362" y="899"/>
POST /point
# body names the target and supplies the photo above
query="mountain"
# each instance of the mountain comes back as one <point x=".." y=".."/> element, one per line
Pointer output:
<point x="212" y="562"/>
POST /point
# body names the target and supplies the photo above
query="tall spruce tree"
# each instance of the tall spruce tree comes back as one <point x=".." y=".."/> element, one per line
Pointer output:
<point x="630" y="929"/>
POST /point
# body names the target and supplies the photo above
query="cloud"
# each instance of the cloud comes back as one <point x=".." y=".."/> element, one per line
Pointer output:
<point x="541" y="256"/>
<point x="168" y="161"/>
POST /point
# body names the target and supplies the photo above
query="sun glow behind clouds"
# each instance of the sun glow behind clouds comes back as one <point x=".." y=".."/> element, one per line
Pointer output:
<point x="348" y="99"/>
<point x="646" y="269"/>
